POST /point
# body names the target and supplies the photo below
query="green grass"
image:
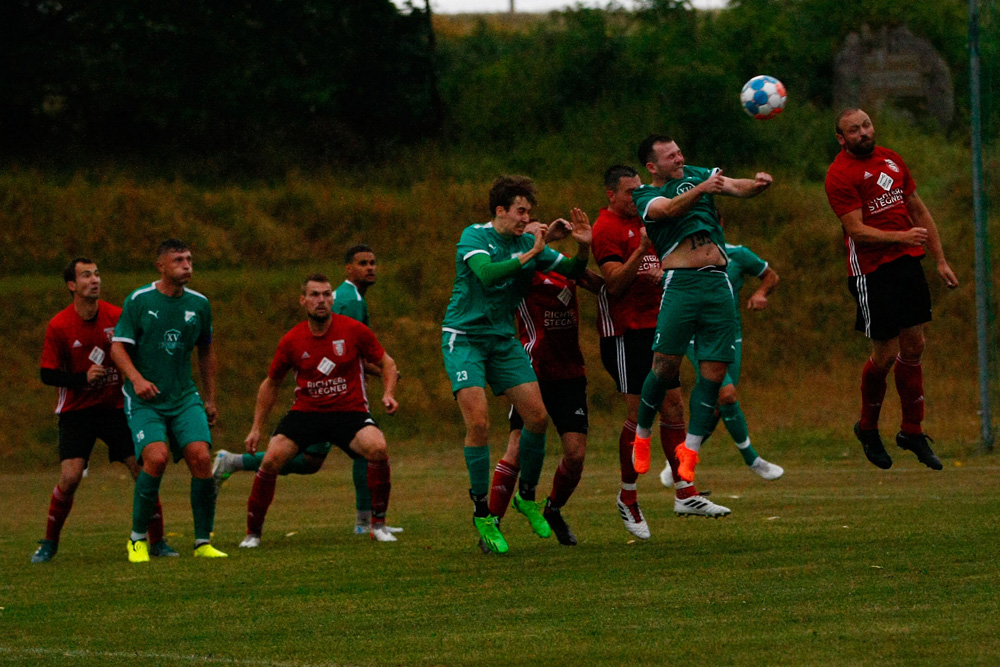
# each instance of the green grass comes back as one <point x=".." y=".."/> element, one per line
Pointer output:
<point x="836" y="563"/>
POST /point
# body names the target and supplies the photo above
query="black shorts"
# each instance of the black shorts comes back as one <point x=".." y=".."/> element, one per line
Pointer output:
<point x="892" y="297"/>
<point x="629" y="358"/>
<point x="311" y="428"/>
<point x="566" y="403"/>
<point x="80" y="429"/>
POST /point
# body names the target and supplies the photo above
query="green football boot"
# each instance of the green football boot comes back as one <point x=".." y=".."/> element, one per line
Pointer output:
<point x="489" y="534"/>
<point x="533" y="513"/>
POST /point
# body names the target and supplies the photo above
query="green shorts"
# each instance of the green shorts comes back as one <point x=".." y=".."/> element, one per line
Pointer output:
<point x="178" y="426"/>
<point x="732" y="373"/>
<point x="474" y="360"/>
<point x="697" y="304"/>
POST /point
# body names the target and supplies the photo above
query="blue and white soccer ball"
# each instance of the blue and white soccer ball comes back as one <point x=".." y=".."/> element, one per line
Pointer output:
<point x="763" y="97"/>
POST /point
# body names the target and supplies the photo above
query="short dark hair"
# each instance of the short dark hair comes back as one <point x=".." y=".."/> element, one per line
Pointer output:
<point x="354" y="250"/>
<point x="171" y="245"/>
<point x="645" y="151"/>
<point x="314" y="278"/>
<point x="506" y="189"/>
<point x="69" y="273"/>
<point x="840" y="117"/>
<point x="616" y="173"/>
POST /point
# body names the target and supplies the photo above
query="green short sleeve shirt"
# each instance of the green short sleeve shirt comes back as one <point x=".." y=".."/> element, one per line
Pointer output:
<point x="666" y="234"/>
<point x="742" y="262"/>
<point x="347" y="300"/>
<point x="160" y="333"/>
<point x="476" y="308"/>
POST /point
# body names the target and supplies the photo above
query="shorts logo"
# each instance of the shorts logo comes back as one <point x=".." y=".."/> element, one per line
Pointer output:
<point x="885" y="181"/>
<point x="189" y="315"/>
<point x="338" y="348"/>
<point x="892" y="165"/>
<point x="684" y="187"/>
<point x="325" y="366"/>
<point x="171" y="341"/>
<point x="580" y="412"/>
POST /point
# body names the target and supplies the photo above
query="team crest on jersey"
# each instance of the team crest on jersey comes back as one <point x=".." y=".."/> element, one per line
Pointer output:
<point x="892" y="165"/>
<point x="189" y="315"/>
<point x="684" y="187"/>
<point x="109" y="333"/>
<point x="171" y="341"/>
<point x="338" y="348"/>
<point x="885" y="181"/>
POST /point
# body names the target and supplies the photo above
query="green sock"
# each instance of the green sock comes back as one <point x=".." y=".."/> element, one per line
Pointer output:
<point x="297" y="466"/>
<point x="251" y="462"/>
<point x="736" y="424"/>
<point x="532" y="458"/>
<point x="203" y="507"/>
<point x="362" y="496"/>
<point x="704" y="397"/>
<point x="477" y="460"/>
<point x="147" y="490"/>
<point x="654" y="390"/>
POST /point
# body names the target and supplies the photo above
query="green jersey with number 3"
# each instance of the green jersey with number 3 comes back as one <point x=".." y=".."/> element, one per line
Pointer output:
<point x="666" y="234"/>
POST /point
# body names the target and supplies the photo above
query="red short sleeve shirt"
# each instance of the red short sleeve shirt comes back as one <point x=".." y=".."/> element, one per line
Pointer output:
<point x="548" y="322"/>
<point x="329" y="369"/>
<point x="878" y="185"/>
<point x="615" y="238"/>
<point x="73" y="345"/>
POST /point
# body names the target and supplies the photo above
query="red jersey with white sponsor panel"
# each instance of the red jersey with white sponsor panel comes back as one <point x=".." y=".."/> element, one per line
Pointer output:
<point x="878" y="185"/>
<point x="615" y="238"/>
<point x="73" y="345"/>
<point x="329" y="369"/>
<point x="548" y="322"/>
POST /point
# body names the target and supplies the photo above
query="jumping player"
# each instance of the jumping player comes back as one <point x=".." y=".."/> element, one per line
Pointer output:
<point x="679" y="212"/>
<point x="75" y="359"/>
<point x="160" y="326"/>
<point x="886" y="226"/>
<point x="327" y="354"/>
<point x="548" y="324"/>
<point x="495" y="263"/>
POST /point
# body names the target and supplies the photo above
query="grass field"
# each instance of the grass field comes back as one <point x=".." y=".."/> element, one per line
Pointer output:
<point x="836" y="563"/>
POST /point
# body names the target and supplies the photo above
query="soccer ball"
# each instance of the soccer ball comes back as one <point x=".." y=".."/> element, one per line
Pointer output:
<point x="763" y="97"/>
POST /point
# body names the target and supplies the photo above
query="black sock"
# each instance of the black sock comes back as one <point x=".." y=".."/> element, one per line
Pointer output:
<point x="481" y="503"/>
<point x="527" y="492"/>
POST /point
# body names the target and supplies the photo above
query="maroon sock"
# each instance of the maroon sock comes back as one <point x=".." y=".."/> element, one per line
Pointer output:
<point x="672" y="434"/>
<point x="872" y="394"/>
<point x="564" y="482"/>
<point x="260" y="499"/>
<point x="59" y="508"/>
<point x="629" y="475"/>
<point x="155" y="525"/>
<point x="909" y="378"/>
<point x="504" y="481"/>
<point x="379" y="485"/>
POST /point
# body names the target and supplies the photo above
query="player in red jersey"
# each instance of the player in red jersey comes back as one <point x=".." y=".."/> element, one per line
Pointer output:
<point x="76" y="359"/>
<point x="327" y="354"/>
<point x="886" y="227"/>
<point x="627" y="310"/>
<point x="548" y="324"/>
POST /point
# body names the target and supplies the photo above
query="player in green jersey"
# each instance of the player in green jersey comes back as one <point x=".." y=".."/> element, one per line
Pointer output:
<point x="679" y="212"/>
<point x="742" y="262"/>
<point x="495" y="263"/>
<point x="160" y="326"/>
<point x="349" y="300"/>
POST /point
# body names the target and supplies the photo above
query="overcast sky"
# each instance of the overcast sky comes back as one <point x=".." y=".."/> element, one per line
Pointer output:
<point x="459" y="6"/>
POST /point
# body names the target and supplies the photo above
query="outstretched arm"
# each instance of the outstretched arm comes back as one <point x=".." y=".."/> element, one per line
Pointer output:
<point x="744" y="188"/>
